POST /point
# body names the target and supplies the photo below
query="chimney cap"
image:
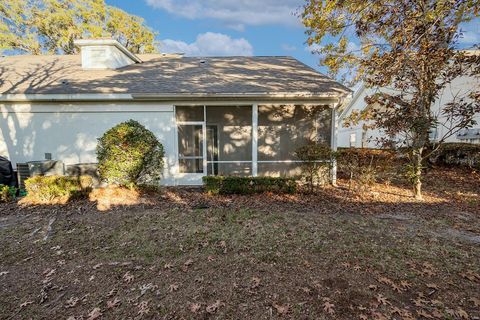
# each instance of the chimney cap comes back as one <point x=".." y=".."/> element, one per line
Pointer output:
<point x="107" y="42"/>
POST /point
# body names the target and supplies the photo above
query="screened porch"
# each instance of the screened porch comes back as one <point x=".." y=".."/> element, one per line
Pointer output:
<point x="246" y="140"/>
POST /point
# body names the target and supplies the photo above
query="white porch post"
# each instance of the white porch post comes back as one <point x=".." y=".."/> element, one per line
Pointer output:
<point x="254" y="139"/>
<point x="333" y="144"/>
<point x="204" y="142"/>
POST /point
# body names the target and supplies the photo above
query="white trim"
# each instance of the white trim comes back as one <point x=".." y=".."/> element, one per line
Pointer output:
<point x="264" y="161"/>
<point x="187" y="123"/>
<point x="230" y="161"/>
<point x="176" y="169"/>
<point x="84" y="107"/>
<point x="255" y="140"/>
<point x="275" y="95"/>
<point x="65" y="97"/>
<point x="352" y="102"/>
<point x="333" y="138"/>
<point x="204" y="142"/>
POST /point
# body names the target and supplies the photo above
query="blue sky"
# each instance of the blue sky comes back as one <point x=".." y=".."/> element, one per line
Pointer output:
<point x="234" y="27"/>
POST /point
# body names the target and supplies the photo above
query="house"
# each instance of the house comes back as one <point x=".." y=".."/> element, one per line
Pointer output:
<point x="358" y="136"/>
<point x="214" y="116"/>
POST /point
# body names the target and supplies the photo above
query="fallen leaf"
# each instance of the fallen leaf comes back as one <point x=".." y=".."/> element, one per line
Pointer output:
<point x="128" y="277"/>
<point x="214" y="306"/>
<point x="95" y="267"/>
<point x="382" y="300"/>
<point x="2" y="273"/>
<point x="405" y="284"/>
<point x="173" y="287"/>
<point x="475" y="301"/>
<point x="379" y="316"/>
<point x="281" y="309"/>
<point x="188" y="263"/>
<point x="255" y="283"/>
<point x="72" y="302"/>
<point x="328" y="307"/>
<point x="432" y="286"/>
<point x="306" y="290"/>
<point x="111" y="293"/>
<point x="49" y="272"/>
<point x="144" y="288"/>
<point x="143" y="308"/>
<point x="424" y="314"/>
<point x="113" y="303"/>
<point x="94" y="314"/>
<point x="385" y="280"/>
<point x="419" y="302"/>
<point x="397" y="288"/>
<point x="195" y="307"/>
<point x="458" y="313"/>
<point x="26" y="303"/>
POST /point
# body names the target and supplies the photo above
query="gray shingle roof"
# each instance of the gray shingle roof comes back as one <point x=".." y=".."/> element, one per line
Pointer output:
<point x="165" y="75"/>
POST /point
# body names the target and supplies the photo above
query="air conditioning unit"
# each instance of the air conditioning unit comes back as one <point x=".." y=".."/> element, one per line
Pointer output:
<point x="46" y="168"/>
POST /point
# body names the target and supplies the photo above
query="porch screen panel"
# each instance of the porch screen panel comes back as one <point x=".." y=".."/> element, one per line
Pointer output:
<point x="189" y="113"/>
<point x="284" y="128"/>
<point x="190" y="148"/>
<point x="229" y="140"/>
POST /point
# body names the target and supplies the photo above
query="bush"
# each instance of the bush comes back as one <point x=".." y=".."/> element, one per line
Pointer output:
<point x="56" y="189"/>
<point x="7" y="193"/>
<point x="129" y="154"/>
<point x="248" y="185"/>
<point x="316" y="163"/>
<point x="364" y="166"/>
<point x="459" y="154"/>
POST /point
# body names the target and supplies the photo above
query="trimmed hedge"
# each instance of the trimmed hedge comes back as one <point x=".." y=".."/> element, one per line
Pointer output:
<point x="248" y="185"/>
<point x="461" y="154"/>
<point x="7" y="193"/>
<point x="56" y="189"/>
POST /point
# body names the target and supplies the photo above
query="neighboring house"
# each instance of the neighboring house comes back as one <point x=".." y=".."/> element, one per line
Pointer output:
<point x="357" y="136"/>
<point x="216" y="115"/>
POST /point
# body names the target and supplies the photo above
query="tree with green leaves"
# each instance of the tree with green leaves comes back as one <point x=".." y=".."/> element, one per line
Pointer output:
<point x="409" y="47"/>
<point x="51" y="26"/>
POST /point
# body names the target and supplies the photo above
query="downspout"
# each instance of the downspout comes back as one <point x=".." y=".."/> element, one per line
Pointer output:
<point x="333" y="144"/>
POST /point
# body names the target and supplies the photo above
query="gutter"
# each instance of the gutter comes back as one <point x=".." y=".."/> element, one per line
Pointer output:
<point x="174" y="97"/>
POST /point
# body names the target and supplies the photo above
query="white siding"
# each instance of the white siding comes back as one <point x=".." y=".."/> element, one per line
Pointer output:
<point x="458" y="88"/>
<point x="70" y="131"/>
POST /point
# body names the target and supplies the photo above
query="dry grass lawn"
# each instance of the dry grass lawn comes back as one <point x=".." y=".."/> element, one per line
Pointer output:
<point x="184" y="255"/>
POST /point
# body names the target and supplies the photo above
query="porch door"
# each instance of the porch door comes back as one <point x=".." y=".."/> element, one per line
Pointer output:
<point x="191" y="152"/>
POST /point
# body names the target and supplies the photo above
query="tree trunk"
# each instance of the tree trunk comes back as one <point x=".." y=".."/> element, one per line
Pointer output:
<point x="417" y="174"/>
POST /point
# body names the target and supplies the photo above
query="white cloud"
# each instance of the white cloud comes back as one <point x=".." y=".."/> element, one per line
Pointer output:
<point x="209" y="44"/>
<point x="469" y="37"/>
<point x="288" y="47"/>
<point x="352" y="47"/>
<point x="234" y="13"/>
<point x="470" y="32"/>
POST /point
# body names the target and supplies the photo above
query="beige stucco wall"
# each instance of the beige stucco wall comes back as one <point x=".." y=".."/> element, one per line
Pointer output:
<point x="69" y="131"/>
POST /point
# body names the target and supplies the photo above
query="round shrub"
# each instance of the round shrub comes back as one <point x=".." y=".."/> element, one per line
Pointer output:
<point x="130" y="155"/>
